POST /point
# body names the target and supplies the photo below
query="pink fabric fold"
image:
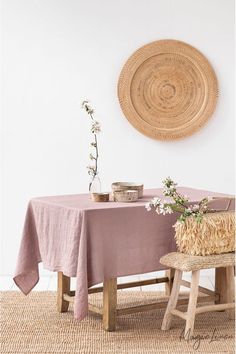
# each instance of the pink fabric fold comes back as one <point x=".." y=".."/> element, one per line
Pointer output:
<point x="94" y="241"/>
<point x="27" y="275"/>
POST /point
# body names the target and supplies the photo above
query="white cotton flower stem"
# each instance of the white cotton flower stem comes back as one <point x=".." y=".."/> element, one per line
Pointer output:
<point x="96" y="158"/>
<point x="180" y="196"/>
<point x="96" y="148"/>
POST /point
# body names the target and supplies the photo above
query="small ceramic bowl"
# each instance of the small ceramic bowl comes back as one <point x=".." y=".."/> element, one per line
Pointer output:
<point x="125" y="196"/>
<point x="118" y="186"/>
<point x="100" y="197"/>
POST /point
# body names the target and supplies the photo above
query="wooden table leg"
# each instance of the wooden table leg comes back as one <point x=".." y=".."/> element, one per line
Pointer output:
<point x="63" y="287"/>
<point x="109" y="304"/>
<point x="170" y="273"/>
<point x="220" y="284"/>
<point x="230" y="291"/>
<point x="224" y="286"/>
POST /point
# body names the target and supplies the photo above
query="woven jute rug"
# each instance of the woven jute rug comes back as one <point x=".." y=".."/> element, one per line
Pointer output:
<point x="32" y="325"/>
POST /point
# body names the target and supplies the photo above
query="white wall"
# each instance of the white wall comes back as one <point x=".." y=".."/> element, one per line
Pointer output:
<point x="58" y="52"/>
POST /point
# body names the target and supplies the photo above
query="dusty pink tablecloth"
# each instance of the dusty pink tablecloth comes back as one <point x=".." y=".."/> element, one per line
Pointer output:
<point x="94" y="241"/>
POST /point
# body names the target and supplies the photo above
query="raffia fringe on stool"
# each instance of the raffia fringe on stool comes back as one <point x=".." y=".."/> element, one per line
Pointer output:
<point x="214" y="235"/>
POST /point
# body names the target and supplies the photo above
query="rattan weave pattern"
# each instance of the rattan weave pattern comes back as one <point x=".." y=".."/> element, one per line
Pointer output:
<point x="167" y="89"/>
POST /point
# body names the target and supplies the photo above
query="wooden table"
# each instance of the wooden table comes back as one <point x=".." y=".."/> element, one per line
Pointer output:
<point x="109" y="310"/>
<point x="99" y="242"/>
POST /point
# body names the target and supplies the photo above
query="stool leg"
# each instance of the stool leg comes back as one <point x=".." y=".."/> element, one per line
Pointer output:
<point x="172" y="300"/>
<point x="192" y="304"/>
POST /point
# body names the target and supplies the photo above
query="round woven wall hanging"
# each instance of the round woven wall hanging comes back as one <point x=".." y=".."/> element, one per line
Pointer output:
<point x="167" y="90"/>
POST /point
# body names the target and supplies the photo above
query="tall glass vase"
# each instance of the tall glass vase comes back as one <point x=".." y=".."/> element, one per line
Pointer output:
<point x="95" y="185"/>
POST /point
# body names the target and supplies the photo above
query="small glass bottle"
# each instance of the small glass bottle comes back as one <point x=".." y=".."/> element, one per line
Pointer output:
<point x="95" y="185"/>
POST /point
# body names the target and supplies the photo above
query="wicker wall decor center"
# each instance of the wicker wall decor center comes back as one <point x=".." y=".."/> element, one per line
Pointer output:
<point x="167" y="90"/>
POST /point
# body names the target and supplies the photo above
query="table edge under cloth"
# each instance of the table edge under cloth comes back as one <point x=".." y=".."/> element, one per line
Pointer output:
<point x="27" y="271"/>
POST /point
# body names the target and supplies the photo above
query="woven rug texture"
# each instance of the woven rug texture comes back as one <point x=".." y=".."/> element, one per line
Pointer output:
<point x="31" y="324"/>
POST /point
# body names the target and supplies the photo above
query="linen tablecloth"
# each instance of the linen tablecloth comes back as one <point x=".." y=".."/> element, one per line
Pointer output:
<point x="94" y="241"/>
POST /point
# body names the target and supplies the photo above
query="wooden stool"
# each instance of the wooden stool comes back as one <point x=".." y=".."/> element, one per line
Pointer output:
<point x="183" y="262"/>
